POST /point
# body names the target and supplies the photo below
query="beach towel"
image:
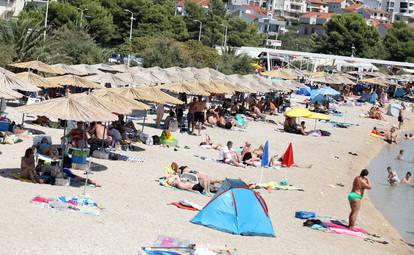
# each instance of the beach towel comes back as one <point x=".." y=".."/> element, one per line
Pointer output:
<point x="275" y="186"/>
<point x="187" y="205"/>
<point x="83" y="204"/>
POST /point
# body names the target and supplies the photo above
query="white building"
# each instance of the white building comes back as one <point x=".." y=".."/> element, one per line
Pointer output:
<point x="293" y="8"/>
<point x="10" y="8"/>
<point x="399" y="7"/>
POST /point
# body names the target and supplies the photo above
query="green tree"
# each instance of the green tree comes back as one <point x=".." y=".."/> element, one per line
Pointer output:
<point x="201" y="55"/>
<point x="71" y="47"/>
<point x="232" y="63"/>
<point x="24" y="36"/>
<point x="165" y="53"/>
<point x="292" y="41"/>
<point x="344" y="31"/>
<point x="240" y="33"/>
<point x="98" y="21"/>
<point x="399" y="43"/>
<point x="62" y="13"/>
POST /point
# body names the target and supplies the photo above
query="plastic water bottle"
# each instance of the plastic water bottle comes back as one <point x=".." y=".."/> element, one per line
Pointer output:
<point x="284" y="181"/>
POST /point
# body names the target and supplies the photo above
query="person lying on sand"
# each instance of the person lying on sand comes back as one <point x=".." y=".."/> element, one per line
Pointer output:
<point x="407" y="179"/>
<point x="276" y="161"/>
<point x="204" y="180"/>
<point x="176" y="180"/>
<point x="208" y="144"/>
<point x="229" y="156"/>
<point x="359" y="185"/>
<point x="252" y="157"/>
<point x="392" y="177"/>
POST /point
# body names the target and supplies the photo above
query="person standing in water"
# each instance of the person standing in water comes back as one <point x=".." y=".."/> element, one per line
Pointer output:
<point x="407" y="179"/>
<point x="392" y="177"/>
<point x="360" y="184"/>
<point x="400" y="155"/>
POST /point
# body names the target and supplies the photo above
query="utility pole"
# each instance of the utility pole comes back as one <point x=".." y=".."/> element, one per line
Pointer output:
<point x="199" y="32"/>
<point x="81" y="17"/>
<point x="47" y="12"/>
<point x="130" y="33"/>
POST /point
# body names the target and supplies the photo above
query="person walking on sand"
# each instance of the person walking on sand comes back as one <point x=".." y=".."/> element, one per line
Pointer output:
<point x="400" y="118"/>
<point x="199" y="111"/>
<point x="360" y="184"/>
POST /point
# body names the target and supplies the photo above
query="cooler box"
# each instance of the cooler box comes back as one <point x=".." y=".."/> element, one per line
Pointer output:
<point x="79" y="159"/>
<point x="4" y="126"/>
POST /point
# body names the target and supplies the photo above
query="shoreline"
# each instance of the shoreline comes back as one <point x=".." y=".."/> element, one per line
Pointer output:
<point x="373" y="210"/>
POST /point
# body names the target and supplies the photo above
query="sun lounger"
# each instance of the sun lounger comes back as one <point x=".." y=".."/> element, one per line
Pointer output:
<point x="40" y="156"/>
<point x="138" y="115"/>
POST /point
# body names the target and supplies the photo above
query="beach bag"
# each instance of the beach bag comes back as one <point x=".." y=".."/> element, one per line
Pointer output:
<point x="304" y="215"/>
<point x="156" y="140"/>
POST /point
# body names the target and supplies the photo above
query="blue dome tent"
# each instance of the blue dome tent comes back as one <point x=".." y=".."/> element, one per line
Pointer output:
<point x="236" y="209"/>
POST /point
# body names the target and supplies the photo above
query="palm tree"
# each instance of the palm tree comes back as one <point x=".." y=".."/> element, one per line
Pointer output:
<point x="25" y="36"/>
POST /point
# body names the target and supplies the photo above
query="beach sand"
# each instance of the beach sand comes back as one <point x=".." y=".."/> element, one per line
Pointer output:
<point x="137" y="211"/>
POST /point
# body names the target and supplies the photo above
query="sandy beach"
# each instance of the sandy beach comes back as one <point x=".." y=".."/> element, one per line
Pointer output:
<point x="137" y="208"/>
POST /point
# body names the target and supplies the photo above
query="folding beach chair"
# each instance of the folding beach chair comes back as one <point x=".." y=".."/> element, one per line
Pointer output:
<point x="40" y="156"/>
<point x="138" y="115"/>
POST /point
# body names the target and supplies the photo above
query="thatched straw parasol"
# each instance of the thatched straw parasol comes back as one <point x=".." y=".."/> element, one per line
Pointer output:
<point x="36" y="80"/>
<point x="151" y="94"/>
<point x="72" y="107"/>
<point x="73" y="80"/>
<point x="38" y="66"/>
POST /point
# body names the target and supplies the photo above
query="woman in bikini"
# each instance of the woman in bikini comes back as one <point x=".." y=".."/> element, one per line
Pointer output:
<point x="360" y="184"/>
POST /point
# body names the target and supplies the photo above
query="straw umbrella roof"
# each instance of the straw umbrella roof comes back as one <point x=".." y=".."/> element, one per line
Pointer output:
<point x="125" y="103"/>
<point x="377" y="81"/>
<point x="71" y="70"/>
<point x="151" y="94"/>
<point x="38" y="66"/>
<point x="160" y="75"/>
<point x="10" y="81"/>
<point x="182" y="74"/>
<point x="73" y="80"/>
<point x="255" y="84"/>
<point x="73" y="107"/>
<point x="8" y="94"/>
<point x="105" y="68"/>
<point x="36" y="80"/>
<point x="240" y="83"/>
<point x="84" y="68"/>
<point x="280" y="73"/>
<point x="104" y="78"/>
<point x="139" y="79"/>
<point x="188" y="87"/>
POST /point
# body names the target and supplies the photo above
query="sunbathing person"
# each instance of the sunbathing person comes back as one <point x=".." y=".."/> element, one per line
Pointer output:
<point x="77" y="136"/>
<point x="28" y="167"/>
<point x="46" y="149"/>
<point x="208" y="144"/>
<point x="229" y="156"/>
<point x="174" y="180"/>
<point x="204" y="180"/>
<point x="252" y="157"/>
<point x="375" y="113"/>
<point x="300" y="129"/>
<point x="255" y="112"/>
<point x="276" y="161"/>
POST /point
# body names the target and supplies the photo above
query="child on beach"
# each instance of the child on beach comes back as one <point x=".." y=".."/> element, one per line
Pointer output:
<point x="407" y="179"/>
<point x="400" y="155"/>
<point x="392" y="176"/>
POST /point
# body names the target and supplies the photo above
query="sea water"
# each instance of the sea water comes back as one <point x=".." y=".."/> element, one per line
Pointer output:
<point x="396" y="203"/>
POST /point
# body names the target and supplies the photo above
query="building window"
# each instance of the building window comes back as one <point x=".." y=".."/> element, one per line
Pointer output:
<point x="403" y="5"/>
<point x="306" y="30"/>
<point x="392" y="4"/>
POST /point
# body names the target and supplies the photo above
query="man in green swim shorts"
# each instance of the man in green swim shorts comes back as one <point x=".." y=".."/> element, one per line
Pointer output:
<point x="360" y="183"/>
